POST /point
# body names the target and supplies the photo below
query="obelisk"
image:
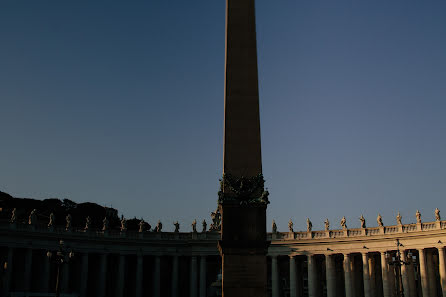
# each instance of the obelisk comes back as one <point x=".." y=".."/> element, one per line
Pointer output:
<point x="242" y="198"/>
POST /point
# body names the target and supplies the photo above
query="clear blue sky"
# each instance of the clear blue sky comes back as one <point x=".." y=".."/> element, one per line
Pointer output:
<point x="121" y="103"/>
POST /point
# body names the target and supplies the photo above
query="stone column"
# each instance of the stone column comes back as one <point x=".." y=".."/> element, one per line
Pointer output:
<point x="139" y="272"/>
<point x="423" y="274"/>
<point x="442" y="268"/>
<point x="157" y="278"/>
<point x="385" y="275"/>
<point x="274" y="277"/>
<point x="311" y="276"/>
<point x="193" y="277"/>
<point x="405" y="274"/>
<point x="348" y="276"/>
<point x="8" y="273"/>
<point x="412" y="282"/>
<point x="102" y="277"/>
<point x="121" y="277"/>
<point x="293" y="277"/>
<point x="366" y="274"/>
<point x="175" y="276"/>
<point x="431" y="273"/>
<point x="84" y="275"/>
<point x="203" y="276"/>
<point x="330" y="276"/>
<point x="65" y="278"/>
<point x="45" y="272"/>
<point x="28" y="270"/>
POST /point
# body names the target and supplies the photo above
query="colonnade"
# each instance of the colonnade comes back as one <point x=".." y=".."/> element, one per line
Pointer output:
<point x="367" y="274"/>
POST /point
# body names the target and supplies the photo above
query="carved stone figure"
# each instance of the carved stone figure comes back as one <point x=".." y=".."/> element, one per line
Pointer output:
<point x="123" y="224"/>
<point x="205" y="225"/>
<point x="216" y="220"/>
<point x="327" y="225"/>
<point x="32" y="220"/>
<point x="344" y="223"/>
<point x="437" y="215"/>
<point x="379" y="220"/>
<point x="274" y="227"/>
<point x="362" y="219"/>
<point x="87" y="223"/>
<point x="105" y="224"/>
<point x="52" y="220"/>
<point x="141" y="226"/>
<point x="159" y="226"/>
<point x="13" y="216"/>
<point x="399" y="219"/>
<point x="309" y="225"/>
<point x="177" y="227"/>
<point x="290" y="226"/>
<point x="418" y="216"/>
<point x="68" y="222"/>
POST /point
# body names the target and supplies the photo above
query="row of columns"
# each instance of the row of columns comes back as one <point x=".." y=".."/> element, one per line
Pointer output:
<point x="426" y="272"/>
<point x="197" y="283"/>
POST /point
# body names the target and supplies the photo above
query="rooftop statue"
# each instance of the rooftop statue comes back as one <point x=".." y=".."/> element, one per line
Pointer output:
<point x="344" y="223"/>
<point x="52" y="221"/>
<point x="274" y="227"/>
<point x="123" y="224"/>
<point x="309" y="225"/>
<point x="141" y="226"/>
<point x="327" y="225"/>
<point x="159" y="226"/>
<point x="290" y="225"/>
<point x="32" y="220"/>
<point x="418" y="216"/>
<point x="13" y="216"/>
<point x="87" y="223"/>
<point x="194" y="226"/>
<point x="68" y="222"/>
<point x="437" y="215"/>
<point x="105" y="224"/>
<point x="177" y="227"/>
<point x="362" y="219"/>
<point x="399" y="219"/>
<point x="379" y="220"/>
<point x="205" y="225"/>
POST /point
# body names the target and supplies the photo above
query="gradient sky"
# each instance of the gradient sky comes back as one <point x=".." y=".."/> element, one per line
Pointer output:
<point x="121" y="103"/>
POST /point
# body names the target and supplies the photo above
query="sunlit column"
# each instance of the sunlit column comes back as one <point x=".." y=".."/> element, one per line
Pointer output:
<point x="193" y="277"/>
<point x="139" y="271"/>
<point x="442" y="270"/>
<point x="311" y="276"/>
<point x="28" y="269"/>
<point x="412" y="282"/>
<point x="84" y="274"/>
<point x="121" y="276"/>
<point x="431" y="273"/>
<point x="423" y="274"/>
<point x="366" y="274"/>
<point x="203" y="276"/>
<point x="348" y="276"/>
<point x="102" y="277"/>
<point x="274" y="277"/>
<point x="175" y="276"/>
<point x="157" y="278"/>
<point x="330" y="276"/>
<point x="405" y="274"/>
<point x="385" y="275"/>
<point x="293" y="277"/>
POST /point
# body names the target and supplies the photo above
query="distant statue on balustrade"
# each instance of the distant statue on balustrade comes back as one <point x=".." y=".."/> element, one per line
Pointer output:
<point x="105" y="224"/>
<point x="274" y="227"/>
<point x="13" y="216"/>
<point x="399" y="219"/>
<point x="194" y="226"/>
<point x="123" y="224"/>
<point x="309" y="225"/>
<point x="379" y="220"/>
<point x="437" y="215"/>
<point x="32" y="219"/>
<point x="362" y="219"/>
<point x="290" y="226"/>
<point x="159" y="226"/>
<point x="141" y="226"/>
<point x="52" y="221"/>
<point x="205" y="225"/>
<point x="87" y="223"/>
<point x="418" y="216"/>
<point x="68" y="222"/>
<point x="327" y="225"/>
<point x="177" y="227"/>
<point x="344" y="223"/>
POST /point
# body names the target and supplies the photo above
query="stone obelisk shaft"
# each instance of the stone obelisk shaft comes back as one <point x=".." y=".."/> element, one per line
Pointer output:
<point x="242" y="199"/>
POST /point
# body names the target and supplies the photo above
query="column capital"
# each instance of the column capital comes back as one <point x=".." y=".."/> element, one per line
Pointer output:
<point x="440" y="248"/>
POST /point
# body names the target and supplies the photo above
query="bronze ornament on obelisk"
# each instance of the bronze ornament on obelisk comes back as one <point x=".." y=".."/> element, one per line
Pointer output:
<point x="242" y="196"/>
